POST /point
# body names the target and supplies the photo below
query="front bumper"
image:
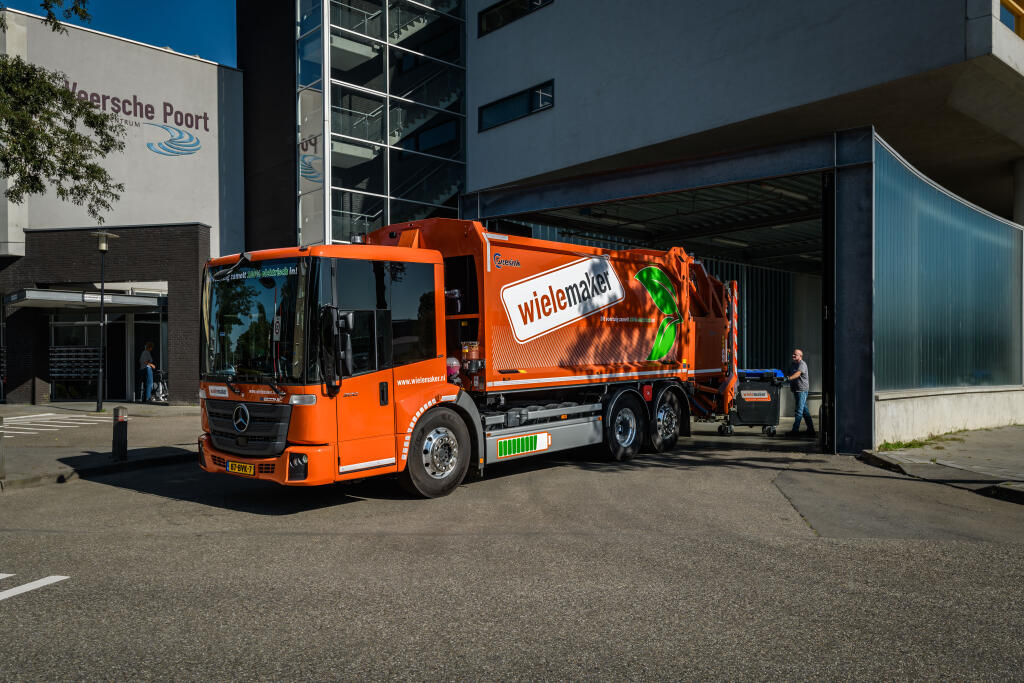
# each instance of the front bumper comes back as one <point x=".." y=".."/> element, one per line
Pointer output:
<point x="322" y="466"/>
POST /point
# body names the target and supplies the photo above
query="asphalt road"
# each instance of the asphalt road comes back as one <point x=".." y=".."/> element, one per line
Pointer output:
<point x="730" y="559"/>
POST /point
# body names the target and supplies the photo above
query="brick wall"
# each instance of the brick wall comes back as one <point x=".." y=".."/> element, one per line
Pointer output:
<point x="175" y="253"/>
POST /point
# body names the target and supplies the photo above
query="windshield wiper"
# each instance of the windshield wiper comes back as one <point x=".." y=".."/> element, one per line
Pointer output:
<point x="229" y="381"/>
<point x="260" y="378"/>
<point x="221" y="274"/>
<point x="277" y="390"/>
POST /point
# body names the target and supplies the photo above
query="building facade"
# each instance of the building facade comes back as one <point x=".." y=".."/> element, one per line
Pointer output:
<point x="856" y="167"/>
<point x="378" y="121"/>
<point x="182" y="202"/>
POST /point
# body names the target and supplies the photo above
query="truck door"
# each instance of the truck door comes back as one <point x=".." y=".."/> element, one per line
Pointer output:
<point x="366" y="413"/>
<point x="365" y="404"/>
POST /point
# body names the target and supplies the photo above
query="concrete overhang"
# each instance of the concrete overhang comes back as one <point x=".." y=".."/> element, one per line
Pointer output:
<point x="55" y="299"/>
<point x="961" y="124"/>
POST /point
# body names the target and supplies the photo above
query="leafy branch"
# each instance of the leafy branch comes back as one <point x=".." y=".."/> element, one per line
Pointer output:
<point x="51" y="9"/>
<point x="49" y="137"/>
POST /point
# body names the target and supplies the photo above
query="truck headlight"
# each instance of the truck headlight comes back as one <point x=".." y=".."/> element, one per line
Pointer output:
<point x="302" y="400"/>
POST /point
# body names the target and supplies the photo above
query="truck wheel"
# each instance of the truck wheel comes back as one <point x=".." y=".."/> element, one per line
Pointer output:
<point x="439" y="454"/>
<point x="624" y="429"/>
<point x="664" y="427"/>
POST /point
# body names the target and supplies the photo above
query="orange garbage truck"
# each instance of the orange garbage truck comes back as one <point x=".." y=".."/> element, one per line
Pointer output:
<point x="435" y="347"/>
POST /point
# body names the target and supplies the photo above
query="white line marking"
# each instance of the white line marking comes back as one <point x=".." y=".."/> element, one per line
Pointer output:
<point x="31" y="425"/>
<point x="6" y="576"/>
<point x="11" y="592"/>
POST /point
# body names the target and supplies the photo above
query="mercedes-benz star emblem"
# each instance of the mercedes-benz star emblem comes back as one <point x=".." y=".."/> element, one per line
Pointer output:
<point x="240" y="418"/>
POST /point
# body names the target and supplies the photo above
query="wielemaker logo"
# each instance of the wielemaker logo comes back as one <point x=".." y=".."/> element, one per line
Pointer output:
<point x="555" y="298"/>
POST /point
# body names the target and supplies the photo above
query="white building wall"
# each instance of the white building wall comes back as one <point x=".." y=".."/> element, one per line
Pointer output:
<point x="629" y="75"/>
<point x="148" y="88"/>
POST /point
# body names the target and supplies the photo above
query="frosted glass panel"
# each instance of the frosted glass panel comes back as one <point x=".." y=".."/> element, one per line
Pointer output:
<point x="947" y="287"/>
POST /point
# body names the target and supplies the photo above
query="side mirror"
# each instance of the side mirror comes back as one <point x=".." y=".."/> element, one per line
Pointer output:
<point x="346" y="321"/>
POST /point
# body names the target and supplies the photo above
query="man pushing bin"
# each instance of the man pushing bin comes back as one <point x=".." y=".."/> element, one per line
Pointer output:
<point x="800" y="382"/>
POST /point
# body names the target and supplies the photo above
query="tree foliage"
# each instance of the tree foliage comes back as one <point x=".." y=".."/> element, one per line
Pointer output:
<point x="51" y="8"/>
<point x="49" y="137"/>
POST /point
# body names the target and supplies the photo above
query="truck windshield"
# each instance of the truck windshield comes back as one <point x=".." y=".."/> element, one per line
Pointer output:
<point x="253" y="322"/>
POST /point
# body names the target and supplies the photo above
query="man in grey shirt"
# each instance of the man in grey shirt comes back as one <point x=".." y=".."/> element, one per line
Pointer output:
<point x="800" y="383"/>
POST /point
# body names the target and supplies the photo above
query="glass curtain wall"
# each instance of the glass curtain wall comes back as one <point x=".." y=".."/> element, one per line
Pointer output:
<point x="395" y="97"/>
<point x="947" y="286"/>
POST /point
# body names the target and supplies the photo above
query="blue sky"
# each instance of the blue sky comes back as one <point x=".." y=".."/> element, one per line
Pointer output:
<point x="193" y="27"/>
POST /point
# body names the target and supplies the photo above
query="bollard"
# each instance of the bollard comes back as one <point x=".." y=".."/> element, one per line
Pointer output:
<point x="119" y="450"/>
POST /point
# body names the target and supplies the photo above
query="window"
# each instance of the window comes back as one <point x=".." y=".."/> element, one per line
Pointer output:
<point x="363" y="289"/>
<point x="505" y="12"/>
<point x="412" y="312"/>
<point x="529" y="101"/>
<point x="393" y="311"/>
<point x="460" y="275"/>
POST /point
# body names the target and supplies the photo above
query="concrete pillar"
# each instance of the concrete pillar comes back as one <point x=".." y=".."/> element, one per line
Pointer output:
<point x="1018" y="191"/>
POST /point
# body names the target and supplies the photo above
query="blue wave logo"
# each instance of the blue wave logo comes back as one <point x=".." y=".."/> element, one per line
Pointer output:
<point x="308" y="171"/>
<point x="181" y="143"/>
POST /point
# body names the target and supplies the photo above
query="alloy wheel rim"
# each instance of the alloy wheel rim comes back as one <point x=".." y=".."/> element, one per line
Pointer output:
<point x="668" y="422"/>
<point x="440" y="453"/>
<point x="625" y="427"/>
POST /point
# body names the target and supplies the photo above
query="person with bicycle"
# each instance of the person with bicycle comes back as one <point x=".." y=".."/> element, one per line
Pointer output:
<point x="147" y="367"/>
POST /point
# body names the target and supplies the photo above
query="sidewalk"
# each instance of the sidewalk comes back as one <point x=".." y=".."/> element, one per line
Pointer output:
<point x="988" y="461"/>
<point x="57" y="442"/>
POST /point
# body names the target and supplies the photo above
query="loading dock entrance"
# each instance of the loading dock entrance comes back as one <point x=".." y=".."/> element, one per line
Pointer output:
<point x="765" y="218"/>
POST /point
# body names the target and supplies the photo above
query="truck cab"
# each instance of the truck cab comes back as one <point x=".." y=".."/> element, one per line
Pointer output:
<point x="316" y="365"/>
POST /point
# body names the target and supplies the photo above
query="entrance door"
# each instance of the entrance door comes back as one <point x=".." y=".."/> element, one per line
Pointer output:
<point x="146" y="328"/>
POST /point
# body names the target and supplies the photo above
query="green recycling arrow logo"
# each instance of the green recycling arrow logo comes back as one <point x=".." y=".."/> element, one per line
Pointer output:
<point x="659" y="286"/>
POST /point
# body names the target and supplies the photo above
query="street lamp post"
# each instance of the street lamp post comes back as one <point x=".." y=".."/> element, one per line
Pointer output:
<point x="103" y="245"/>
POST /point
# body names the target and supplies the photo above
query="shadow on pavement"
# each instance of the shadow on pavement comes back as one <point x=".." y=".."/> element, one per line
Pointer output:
<point x="188" y="483"/>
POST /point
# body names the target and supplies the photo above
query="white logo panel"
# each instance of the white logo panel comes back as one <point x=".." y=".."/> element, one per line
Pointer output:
<point x="555" y="298"/>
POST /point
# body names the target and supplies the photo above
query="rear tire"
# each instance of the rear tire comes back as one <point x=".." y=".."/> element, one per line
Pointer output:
<point x="439" y="454"/>
<point x="663" y="432"/>
<point x="624" y="428"/>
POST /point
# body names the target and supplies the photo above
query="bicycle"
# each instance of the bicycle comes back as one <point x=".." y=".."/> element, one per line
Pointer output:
<point x="159" y="392"/>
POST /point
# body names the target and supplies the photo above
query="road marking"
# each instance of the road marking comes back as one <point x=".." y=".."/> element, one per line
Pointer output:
<point x="5" y="576"/>
<point x="31" y="425"/>
<point x="31" y="586"/>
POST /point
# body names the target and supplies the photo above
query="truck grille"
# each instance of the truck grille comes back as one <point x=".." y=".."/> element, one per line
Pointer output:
<point x="265" y="436"/>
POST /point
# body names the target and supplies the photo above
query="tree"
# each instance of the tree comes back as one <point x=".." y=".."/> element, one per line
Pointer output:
<point x="49" y="137"/>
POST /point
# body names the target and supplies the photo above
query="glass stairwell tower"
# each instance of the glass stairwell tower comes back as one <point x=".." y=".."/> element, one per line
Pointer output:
<point x="380" y="114"/>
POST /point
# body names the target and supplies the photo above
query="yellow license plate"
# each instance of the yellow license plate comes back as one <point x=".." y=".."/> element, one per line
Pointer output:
<point x="241" y="468"/>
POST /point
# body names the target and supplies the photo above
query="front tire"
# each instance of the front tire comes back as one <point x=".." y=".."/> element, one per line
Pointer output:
<point x="665" y="424"/>
<point x="624" y="428"/>
<point x="439" y="454"/>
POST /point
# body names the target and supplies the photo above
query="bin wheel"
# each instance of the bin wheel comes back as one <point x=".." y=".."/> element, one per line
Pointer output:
<point x="771" y="431"/>
<point x="728" y="430"/>
<point x="764" y="430"/>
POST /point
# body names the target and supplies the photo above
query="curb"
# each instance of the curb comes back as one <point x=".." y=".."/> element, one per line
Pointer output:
<point x="1008" y="491"/>
<point x="98" y="470"/>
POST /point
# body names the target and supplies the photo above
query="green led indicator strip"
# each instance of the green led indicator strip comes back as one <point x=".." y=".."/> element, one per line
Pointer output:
<point x="520" y="444"/>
